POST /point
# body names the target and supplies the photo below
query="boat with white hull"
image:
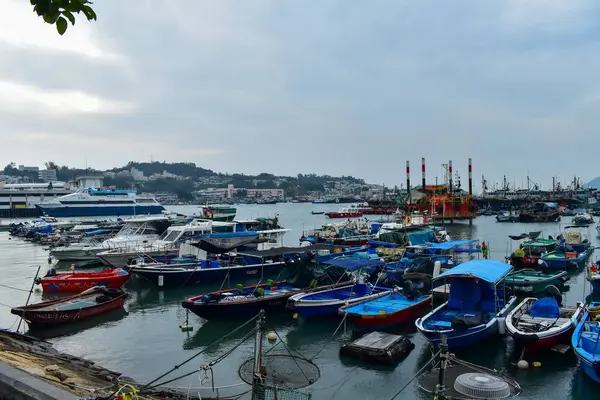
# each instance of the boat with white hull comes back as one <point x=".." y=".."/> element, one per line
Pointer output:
<point x="94" y="202"/>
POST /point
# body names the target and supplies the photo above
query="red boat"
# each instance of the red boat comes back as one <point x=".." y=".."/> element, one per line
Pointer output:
<point x="346" y="213"/>
<point x="386" y="310"/>
<point x="92" y="302"/>
<point x="80" y="281"/>
<point x="540" y="324"/>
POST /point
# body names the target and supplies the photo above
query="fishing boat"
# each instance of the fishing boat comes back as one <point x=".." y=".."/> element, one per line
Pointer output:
<point x="530" y="250"/>
<point x="530" y="281"/>
<point x="508" y="216"/>
<point x="540" y="212"/>
<point x="387" y="309"/>
<point x="562" y="259"/>
<point x="583" y="219"/>
<point x="475" y="307"/>
<point x="537" y="325"/>
<point x="328" y="301"/>
<point x="92" y="302"/>
<point x="245" y="302"/>
<point x="317" y="212"/>
<point x="80" y="281"/>
<point x="592" y="275"/>
<point x="346" y="212"/>
<point x="586" y="342"/>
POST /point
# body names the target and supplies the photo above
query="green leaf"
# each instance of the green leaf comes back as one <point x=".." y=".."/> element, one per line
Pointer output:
<point x="61" y="25"/>
<point x="69" y="16"/>
<point x="89" y="13"/>
<point x="51" y="17"/>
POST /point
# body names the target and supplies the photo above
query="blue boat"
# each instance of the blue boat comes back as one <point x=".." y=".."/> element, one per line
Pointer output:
<point x="475" y="305"/>
<point x="562" y="259"/>
<point x="586" y="342"/>
<point x="328" y="301"/>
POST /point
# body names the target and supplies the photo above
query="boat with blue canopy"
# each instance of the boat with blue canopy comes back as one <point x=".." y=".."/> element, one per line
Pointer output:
<point x="586" y="342"/>
<point x="328" y="301"/>
<point x="476" y="304"/>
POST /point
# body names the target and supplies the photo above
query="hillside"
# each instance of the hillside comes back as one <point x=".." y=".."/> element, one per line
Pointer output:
<point x="594" y="183"/>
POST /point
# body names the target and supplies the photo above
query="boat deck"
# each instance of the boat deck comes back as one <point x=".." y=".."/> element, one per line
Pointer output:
<point x="384" y="305"/>
<point x="443" y="319"/>
<point x="232" y="296"/>
<point x="74" y="304"/>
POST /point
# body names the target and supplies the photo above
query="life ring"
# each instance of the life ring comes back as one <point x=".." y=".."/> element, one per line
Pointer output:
<point x="408" y="220"/>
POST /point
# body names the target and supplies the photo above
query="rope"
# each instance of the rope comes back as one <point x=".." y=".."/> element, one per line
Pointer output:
<point x="330" y="339"/>
<point x="416" y="375"/>
<point x="295" y="362"/>
<point x="12" y="287"/>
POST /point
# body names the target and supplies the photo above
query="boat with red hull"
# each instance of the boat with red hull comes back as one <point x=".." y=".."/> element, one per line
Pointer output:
<point x="79" y="281"/>
<point x="345" y="213"/>
<point x="386" y="310"/>
<point x="92" y="302"/>
<point x="540" y="324"/>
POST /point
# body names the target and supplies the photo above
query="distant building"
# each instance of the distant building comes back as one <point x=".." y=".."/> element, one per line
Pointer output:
<point x="230" y="191"/>
<point x="138" y="175"/>
<point x="47" y="175"/>
<point x="24" y="168"/>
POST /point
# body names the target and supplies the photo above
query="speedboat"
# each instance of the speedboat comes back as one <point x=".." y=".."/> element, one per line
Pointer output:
<point x="475" y="306"/>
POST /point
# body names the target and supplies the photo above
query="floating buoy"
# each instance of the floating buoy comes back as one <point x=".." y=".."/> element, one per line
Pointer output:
<point x="185" y="327"/>
<point x="161" y="280"/>
<point x="295" y="316"/>
<point x="271" y="336"/>
<point x="523" y="364"/>
<point x="536" y="364"/>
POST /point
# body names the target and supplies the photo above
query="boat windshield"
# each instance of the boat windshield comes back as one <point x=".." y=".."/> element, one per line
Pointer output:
<point x="170" y="236"/>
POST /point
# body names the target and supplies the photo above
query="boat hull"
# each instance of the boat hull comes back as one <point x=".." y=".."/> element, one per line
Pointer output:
<point x="76" y="254"/>
<point x="595" y="284"/>
<point x="172" y="278"/>
<point x="78" y="282"/>
<point x="66" y="211"/>
<point x="374" y="322"/>
<point x="344" y="214"/>
<point x="120" y="259"/>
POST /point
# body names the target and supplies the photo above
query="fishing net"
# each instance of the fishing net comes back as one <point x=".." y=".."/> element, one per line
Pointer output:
<point x="265" y="392"/>
<point x="282" y="370"/>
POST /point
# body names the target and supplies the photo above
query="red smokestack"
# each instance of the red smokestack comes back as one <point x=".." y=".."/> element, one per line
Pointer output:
<point x="423" y="172"/>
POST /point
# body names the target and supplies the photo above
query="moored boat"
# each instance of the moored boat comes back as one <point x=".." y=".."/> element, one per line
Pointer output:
<point x="561" y="259"/>
<point x="530" y="281"/>
<point x="586" y="342"/>
<point x="328" y="301"/>
<point x="592" y="275"/>
<point x="80" y="281"/>
<point x="583" y="219"/>
<point x="347" y="212"/>
<point x="530" y="251"/>
<point x="92" y="302"/>
<point x="475" y="306"/>
<point x="540" y="324"/>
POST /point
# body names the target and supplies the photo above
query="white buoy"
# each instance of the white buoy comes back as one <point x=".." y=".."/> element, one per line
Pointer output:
<point x="523" y="364"/>
<point x="271" y="336"/>
<point x="161" y="280"/>
<point x="501" y="325"/>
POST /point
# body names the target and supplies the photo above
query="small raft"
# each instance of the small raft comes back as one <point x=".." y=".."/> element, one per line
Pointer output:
<point x="75" y="282"/>
<point x="378" y="347"/>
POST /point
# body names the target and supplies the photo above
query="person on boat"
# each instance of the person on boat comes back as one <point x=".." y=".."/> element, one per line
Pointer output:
<point x="484" y="250"/>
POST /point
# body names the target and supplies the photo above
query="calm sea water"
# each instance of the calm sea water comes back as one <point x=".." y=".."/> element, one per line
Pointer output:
<point x="146" y="341"/>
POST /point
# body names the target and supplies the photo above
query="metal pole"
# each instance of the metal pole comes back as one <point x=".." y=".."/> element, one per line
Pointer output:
<point x="258" y="348"/>
<point x="29" y="296"/>
<point x="440" y="387"/>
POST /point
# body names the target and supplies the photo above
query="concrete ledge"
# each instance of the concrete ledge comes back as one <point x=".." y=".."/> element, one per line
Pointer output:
<point x="16" y="384"/>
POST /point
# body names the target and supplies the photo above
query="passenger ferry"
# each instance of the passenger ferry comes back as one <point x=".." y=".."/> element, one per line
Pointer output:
<point x="87" y="202"/>
<point x="19" y="200"/>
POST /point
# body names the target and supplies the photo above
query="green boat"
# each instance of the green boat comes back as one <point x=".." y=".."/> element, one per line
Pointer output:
<point x="529" y="281"/>
<point x="219" y="213"/>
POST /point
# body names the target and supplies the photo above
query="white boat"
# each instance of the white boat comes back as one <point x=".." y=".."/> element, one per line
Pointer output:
<point x="140" y="230"/>
<point x="96" y="202"/>
<point x="19" y="200"/>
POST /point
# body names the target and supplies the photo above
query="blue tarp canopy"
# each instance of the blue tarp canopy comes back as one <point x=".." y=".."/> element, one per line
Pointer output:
<point x="354" y="264"/>
<point x="450" y="245"/>
<point x="381" y="244"/>
<point x="487" y="270"/>
<point x="97" y="232"/>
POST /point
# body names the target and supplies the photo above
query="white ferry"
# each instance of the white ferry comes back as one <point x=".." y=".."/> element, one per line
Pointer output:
<point x="19" y="200"/>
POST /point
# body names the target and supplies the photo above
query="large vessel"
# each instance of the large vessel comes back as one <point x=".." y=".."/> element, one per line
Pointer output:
<point x="19" y="200"/>
<point x="95" y="202"/>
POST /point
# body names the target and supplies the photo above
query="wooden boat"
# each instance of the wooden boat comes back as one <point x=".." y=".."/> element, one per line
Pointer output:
<point x="247" y="301"/>
<point x="586" y="342"/>
<point x="475" y="306"/>
<point x="80" y="281"/>
<point x="530" y="251"/>
<point x="541" y="324"/>
<point x="386" y="310"/>
<point x="531" y="281"/>
<point x="564" y="259"/>
<point x="92" y="302"/>
<point x="328" y="301"/>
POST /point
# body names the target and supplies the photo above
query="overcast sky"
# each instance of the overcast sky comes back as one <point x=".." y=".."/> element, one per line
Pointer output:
<point x="326" y="86"/>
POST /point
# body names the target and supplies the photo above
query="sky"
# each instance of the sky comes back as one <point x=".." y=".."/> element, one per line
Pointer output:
<point x="338" y="87"/>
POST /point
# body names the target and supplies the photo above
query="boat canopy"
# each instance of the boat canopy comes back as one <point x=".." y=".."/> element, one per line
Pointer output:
<point x="381" y="244"/>
<point x="282" y="251"/>
<point x="450" y="245"/>
<point x="353" y="264"/>
<point x="487" y="270"/>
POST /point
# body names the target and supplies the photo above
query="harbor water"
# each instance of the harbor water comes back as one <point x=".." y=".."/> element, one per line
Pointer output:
<point x="145" y="341"/>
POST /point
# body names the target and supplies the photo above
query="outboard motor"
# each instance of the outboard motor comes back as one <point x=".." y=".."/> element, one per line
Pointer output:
<point x="552" y="291"/>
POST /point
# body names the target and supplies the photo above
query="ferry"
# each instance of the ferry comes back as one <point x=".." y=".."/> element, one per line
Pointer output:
<point x="19" y="200"/>
<point x="87" y="202"/>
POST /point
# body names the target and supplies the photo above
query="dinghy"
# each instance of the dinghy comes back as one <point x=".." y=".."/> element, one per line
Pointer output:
<point x="328" y="301"/>
<point x="531" y="281"/>
<point x="92" y="302"/>
<point x="586" y="342"/>
<point x="80" y="281"/>
<point x="475" y="306"/>
<point x="540" y="324"/>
